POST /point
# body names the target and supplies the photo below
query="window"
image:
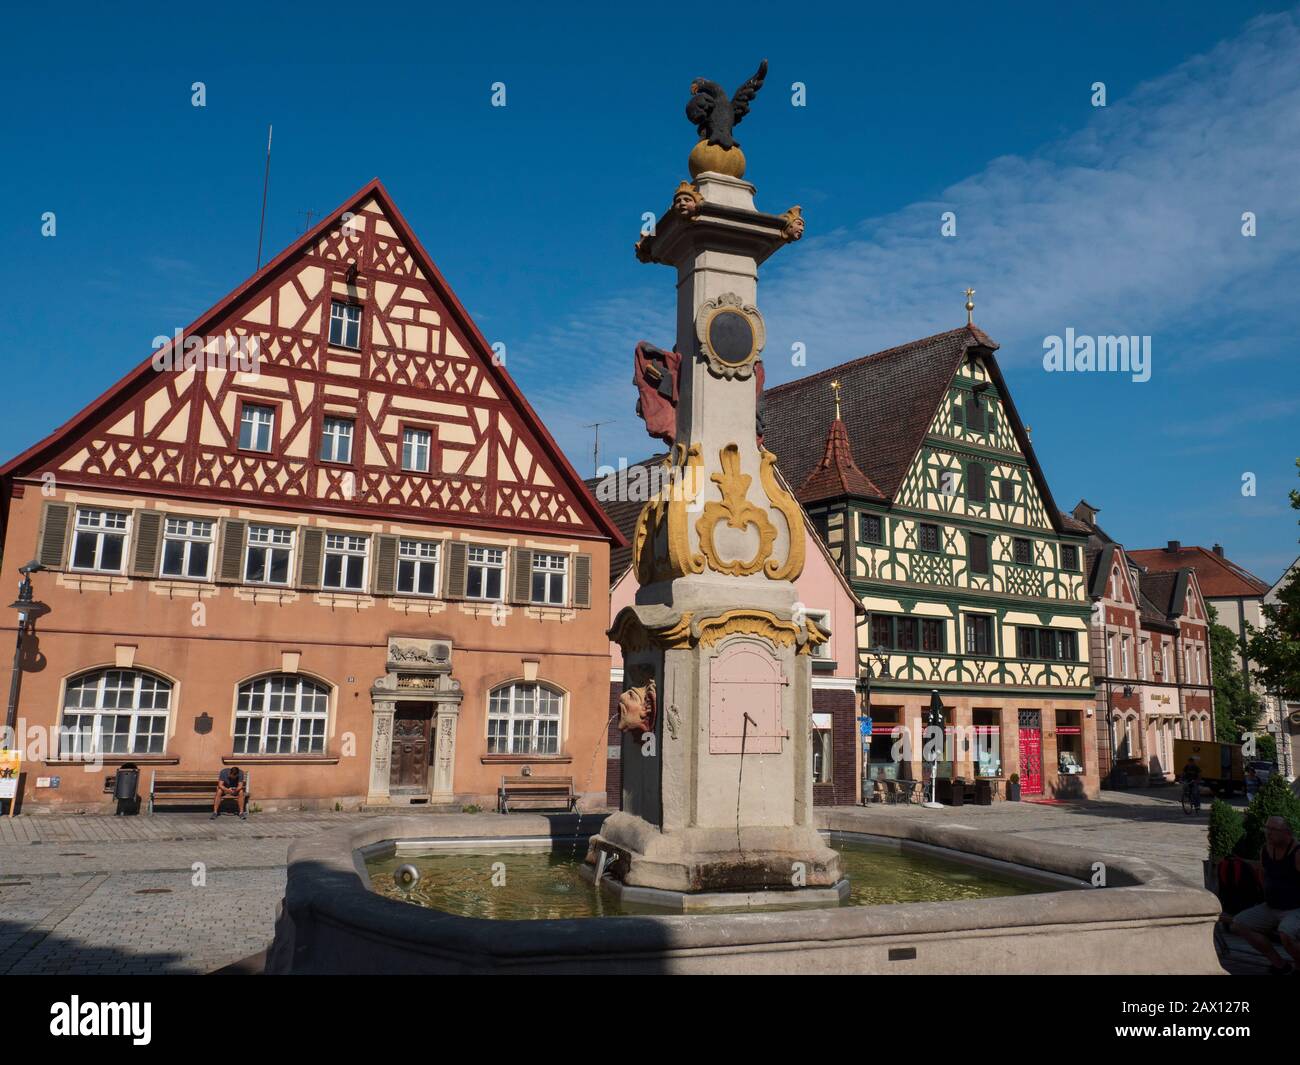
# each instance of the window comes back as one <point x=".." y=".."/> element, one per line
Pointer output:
<point x="823" y="618"/>
<point x="345" y="561"/>
<point x="417" y="567"/>
<point x="974" y="414"/>
<point x="932" y="635"/>
<point x="524" y="719"/>
<point x="1023" y="551"/>
<point x="256" y="427"/>
<point x="486" y="566"/>
<point x="1069" y="557"/>
<point x="870" y="529"/>
<point x="906" y="633"/>
<point x="416" y="444"/>
<point x="114" y="711"/>
<point x="1069" y="742"/>
<point x="1123" y="656"/>
<point x="1144" y="650"/>
<point x="345" y="324"/>
<point x="549" y="573"/>
<point x="882" y="631"/>
<point x="267" y="559"/>
<point x="187" y="548"/>
<point x="977" y="489"/>
<point x="979" y="553"/>
<point x="821" y="748"/>
<point x="281" y="714"/>
<point x="979" y="634"/>
<point x="1052" y="645"/>
<point x="99" y="543"/>
<point x="336" y="440"/>
<point x="988" y="743"/>
<point x="1007" y="490"/>
<point x="928" y="536"/>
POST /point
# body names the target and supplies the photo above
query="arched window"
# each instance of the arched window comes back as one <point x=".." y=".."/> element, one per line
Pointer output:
<point x="524" y="718"/>
<point x="115" y="711"/>
<point x="281" y="714"/>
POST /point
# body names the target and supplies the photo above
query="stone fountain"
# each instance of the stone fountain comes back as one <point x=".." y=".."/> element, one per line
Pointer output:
<point x="715" y="718"/>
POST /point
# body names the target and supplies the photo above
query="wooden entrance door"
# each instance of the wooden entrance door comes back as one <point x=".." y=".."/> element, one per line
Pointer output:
<point x="1031" y="752"/>
<point x="410" y="757"/>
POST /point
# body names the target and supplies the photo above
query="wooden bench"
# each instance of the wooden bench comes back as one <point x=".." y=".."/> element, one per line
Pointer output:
<point x="183" y="787"/>
<point x="536" y="793"/>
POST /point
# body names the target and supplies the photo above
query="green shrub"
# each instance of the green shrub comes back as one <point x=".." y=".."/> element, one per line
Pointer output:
<point x="1275" y="798"/>
<point x="1226" y="829"/>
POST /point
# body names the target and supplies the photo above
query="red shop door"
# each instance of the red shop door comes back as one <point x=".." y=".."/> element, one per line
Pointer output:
<point x="1031" y="753"/>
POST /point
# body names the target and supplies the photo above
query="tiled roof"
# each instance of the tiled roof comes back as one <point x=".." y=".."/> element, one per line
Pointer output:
<point x="889" y="400"/>
<point x="837" y="474"/>
<point x="1217" y="576"/>
<point x="623" y="511"/>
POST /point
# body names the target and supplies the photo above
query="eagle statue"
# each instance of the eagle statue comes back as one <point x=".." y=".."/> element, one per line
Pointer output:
<point x="714" y="114"/>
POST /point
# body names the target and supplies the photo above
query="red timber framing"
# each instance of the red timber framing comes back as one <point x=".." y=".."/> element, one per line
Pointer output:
<point x="421" y="361"/>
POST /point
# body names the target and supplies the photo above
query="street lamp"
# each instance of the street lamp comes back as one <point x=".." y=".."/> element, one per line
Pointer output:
<point x="934" y="719"/>
<point x="27" y="609"/>
<point x="863" y="687"/>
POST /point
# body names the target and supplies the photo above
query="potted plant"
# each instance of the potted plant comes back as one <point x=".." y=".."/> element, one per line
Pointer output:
<point x="1013" y="787"/>
<point x="1227" y="826"/>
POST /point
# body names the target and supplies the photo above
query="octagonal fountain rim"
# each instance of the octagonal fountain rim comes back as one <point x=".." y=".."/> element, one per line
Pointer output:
<point x="332" y="921"/>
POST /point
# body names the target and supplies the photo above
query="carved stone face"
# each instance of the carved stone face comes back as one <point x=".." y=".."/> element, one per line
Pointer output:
<point x="636" y="710"/>
<point x="685" y="204"/>
<point x="795" y="227"/>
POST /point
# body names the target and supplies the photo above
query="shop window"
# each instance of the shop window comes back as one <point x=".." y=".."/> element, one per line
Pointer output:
<point x="1069" y="742"/>
<point x="987" y="749"/>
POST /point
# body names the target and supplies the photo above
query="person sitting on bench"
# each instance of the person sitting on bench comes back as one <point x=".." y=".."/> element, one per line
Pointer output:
<point x="230" y="785"/>
<point x="1279" y="913"/>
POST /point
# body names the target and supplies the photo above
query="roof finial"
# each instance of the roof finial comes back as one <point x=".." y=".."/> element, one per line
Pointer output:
<point x="970" y="306"/>
<point x="835" y="387"/>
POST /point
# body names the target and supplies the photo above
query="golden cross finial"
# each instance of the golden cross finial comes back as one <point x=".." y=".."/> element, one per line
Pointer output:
<point x="835" y="387"/>
<point x="970" y="306"/>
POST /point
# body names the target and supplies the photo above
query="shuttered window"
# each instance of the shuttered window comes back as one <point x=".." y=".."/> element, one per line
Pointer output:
<point x="270" y="548"/>
<point x="550" y="576"/>
<point x="187" y="548"/>
<point x="582" y="581"/>
<point x="521" y="568"/>
<point x="485" y="573"/>
<point x="979" y="553"/>
<point x="53" y="534"/>
<point x="99" y="540"/>
<point x="232" y="551"/>
<point x="456" y="557"/>
<point x="977" y="490"/>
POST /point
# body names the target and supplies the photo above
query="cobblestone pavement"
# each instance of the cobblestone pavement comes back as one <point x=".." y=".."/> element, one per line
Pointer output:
<point x="102" y="894"/>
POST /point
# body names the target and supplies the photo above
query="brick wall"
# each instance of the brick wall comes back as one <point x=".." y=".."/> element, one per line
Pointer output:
<point x="842" y="706"/>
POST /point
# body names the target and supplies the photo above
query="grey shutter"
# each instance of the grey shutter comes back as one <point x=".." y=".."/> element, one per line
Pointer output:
<point x="147" y="527"/>
<point x="385" y="564"/>
<point x="231" y="569"/>
<point x="309" y="557"/>
<point x="456" y="569"/>
<point x="582" y="580"/>
<point x="53" y="536"/>
<point x="521" y="565"/>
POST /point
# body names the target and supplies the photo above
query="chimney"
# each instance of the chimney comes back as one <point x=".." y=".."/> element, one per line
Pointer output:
<point x="1218" y="550"/>
<point x="1174" y="546"/>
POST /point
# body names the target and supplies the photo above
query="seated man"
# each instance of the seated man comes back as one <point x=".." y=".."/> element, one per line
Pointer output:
<point x="1280" y="911"/>
<point x="230" y="785"/>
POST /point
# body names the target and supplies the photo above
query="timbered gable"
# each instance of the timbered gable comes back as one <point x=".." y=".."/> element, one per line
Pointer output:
<point x="412" y="370"/>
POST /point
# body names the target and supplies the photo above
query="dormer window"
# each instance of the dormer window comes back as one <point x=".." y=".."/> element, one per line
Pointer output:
<point x="345" y="324"/>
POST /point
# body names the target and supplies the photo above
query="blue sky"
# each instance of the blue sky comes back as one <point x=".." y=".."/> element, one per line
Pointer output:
<point x="1124" y="219"/>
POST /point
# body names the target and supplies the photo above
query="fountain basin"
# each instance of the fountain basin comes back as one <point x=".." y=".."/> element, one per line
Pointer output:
<point x="1145" y="921"/>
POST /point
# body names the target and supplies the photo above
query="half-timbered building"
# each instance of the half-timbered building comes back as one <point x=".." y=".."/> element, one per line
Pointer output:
<point x="321" y="535"/>
<point x="925" y="487"/>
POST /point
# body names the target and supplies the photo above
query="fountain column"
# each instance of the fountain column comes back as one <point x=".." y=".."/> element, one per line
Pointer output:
<point x="717" y="771"/>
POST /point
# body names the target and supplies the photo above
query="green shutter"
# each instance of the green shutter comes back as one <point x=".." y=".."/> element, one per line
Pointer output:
<point x="456" y="569"/>
<point x="385" y="564"/>
<point x="147" y="526"/>
<point x="582" y="580"/>
<point x="309" y="558"/>
<point x="231" y="570"/>
<point x="521" y="565"/>
<point x="52" y="539"/>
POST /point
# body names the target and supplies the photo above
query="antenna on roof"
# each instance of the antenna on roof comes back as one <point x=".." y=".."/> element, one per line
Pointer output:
<point x="595" y="451"/>
<point x="266" y="181"/>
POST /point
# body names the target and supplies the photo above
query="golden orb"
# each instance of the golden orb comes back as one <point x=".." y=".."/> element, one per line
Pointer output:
<point x="706" y="156"/>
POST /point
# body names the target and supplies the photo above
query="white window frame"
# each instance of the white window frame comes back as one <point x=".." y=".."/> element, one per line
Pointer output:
<point x="267" y="698"/>
<point x="485" y="560"/>
<point x="188" y="532"/>
<point x="413" y="449"/>
<point x="333" y="439"/>
<point x="419" y="555"/>
<point x="250" y="415"/>
<point x="353" y="551"/>
<point x="100" y="523"/>
<point x="1123" y="655"/>
<point x="149" y="703"/>
<point x="823" y="732"/>
<point x="548" y="565"/>
<point x="341" y="313"/>
<point x="514" y="720"/>
<point x="270" y="539"/>
<point x="823" y="650"/>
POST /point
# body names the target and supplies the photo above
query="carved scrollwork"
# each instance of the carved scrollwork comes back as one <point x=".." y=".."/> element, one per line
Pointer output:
<point x="782" y="500"/>
<point x="666" y="510"/>
<point x="739" y="513"/>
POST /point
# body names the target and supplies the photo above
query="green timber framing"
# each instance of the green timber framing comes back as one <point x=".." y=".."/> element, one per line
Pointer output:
<point x="996" y="547"/>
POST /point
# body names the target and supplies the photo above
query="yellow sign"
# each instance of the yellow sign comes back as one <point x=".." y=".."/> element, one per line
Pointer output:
<point x="11" y="765"/>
